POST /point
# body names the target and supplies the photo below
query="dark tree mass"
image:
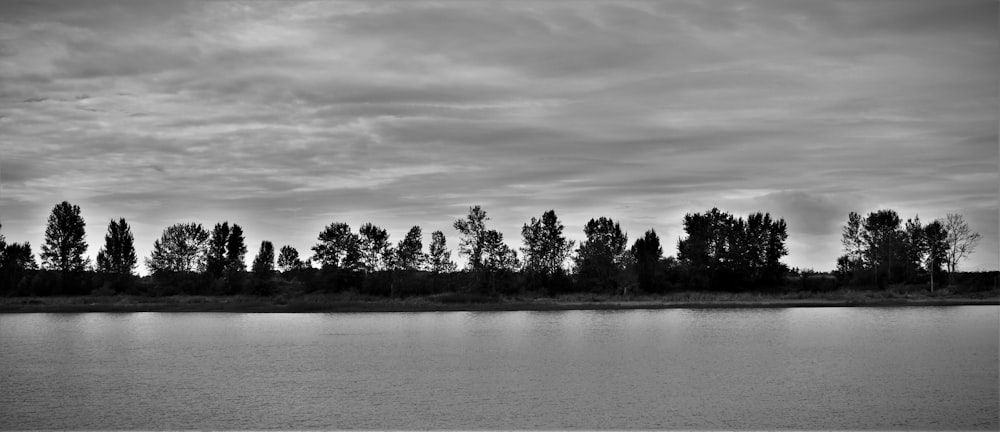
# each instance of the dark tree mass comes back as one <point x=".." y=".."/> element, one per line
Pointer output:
<point x="718" y="251"/>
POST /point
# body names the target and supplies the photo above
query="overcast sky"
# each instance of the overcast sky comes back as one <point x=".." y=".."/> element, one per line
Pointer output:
<point x="284" y="117"/>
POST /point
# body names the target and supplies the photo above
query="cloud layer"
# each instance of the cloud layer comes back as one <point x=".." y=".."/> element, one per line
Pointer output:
<point x="287" y="116"/>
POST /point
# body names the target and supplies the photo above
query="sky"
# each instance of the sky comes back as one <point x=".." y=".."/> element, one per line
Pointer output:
<point x="285" y="116"/>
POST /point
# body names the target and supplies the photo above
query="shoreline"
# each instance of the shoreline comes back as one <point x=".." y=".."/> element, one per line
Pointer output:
<point x="124" y="304"/>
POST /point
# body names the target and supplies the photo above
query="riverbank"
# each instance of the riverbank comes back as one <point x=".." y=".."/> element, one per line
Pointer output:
<point x="347" y="302"/>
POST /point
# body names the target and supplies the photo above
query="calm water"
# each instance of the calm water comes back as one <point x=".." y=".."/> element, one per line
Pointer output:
<point x="840" y="368"/>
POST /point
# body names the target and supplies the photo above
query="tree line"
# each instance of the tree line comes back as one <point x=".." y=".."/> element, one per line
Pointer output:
<point x="720" y="251"/>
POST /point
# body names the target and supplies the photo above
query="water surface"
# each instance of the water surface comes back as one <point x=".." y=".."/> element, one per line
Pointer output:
<point x="800" y="368"/>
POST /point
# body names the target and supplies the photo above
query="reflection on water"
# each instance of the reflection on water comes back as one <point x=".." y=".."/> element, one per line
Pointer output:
<point x="839" y="368"/>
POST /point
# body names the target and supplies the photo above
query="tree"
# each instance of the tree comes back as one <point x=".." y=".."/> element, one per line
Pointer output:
<point x="545" y="248"/>
<point x="915" y="247"/>
<point x="338" y="248"/>
<point x="961" y="241"/>
<point x="236" y="251"/>
<point x="65" y="239"/>
<point x="601" y="258"/>
<point x="936" y="248"/>
<point x="374" y="247"/>
<point x="263" y="264"/>
<point x="439" y="257"/>
<point x="499" y="260"/>
<point x="181" y="248"/>
<point x="118" y="256"/>
<point x="409" y="252"/>
<point x="288" y="259"/>
<point x="15" y="260"/>
<point x="215" y="260"/>
<point x="647" y="253"/>
<point x="852" y="241"/>
<point x="882" y="239"/>
<point x="472" y="229"/>
<point x="723" y="251"/>
<point x="497" y="256"/>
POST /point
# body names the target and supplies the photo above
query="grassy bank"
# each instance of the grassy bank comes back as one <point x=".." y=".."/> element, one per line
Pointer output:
<point x="348" y="302"/>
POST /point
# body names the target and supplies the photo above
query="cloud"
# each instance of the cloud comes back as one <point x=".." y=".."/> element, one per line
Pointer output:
<point x="285" y="117"/>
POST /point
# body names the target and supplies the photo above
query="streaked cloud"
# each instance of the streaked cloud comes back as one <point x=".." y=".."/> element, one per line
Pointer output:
<point x="286" y="116"/>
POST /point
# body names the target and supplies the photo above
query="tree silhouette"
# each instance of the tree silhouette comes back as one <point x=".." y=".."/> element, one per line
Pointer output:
<point x="961" y="240"/>
<point x="936" y="248"/>
<point x="409" y="252"/>
<point x="263" y="264"/>
<point x="545" y="248"/>
<point x="236" y="251"/>
<point x="374" y="247"/>
<point x="473" y="230"/>
<point x="883" y="240"/>
<point x="215" y="261"/>
<point x="181" y="248"/>
<point x="65" y="239"/>
<point x="725" y="252"/>
<point x="118" y="256"/>
<point x="288" y="259"/>
<point x="647" y="253"/>
<point x="337" y="248"/>
<point x="439" y="257"/>
<point x="602" y="256"/>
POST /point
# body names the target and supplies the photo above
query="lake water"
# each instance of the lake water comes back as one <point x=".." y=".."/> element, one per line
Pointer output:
<point x="800" y="368"/>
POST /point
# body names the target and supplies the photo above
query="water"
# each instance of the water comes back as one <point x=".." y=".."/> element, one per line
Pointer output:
<point x="800" y="368"/>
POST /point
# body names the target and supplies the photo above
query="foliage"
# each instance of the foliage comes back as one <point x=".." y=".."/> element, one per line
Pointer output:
<point x="647" y="253"/>
<point x="263" y="264"/>
<point x="409" y="251"/>
<point x="545" y="248"/>
<point x="473" y="231"/>
<point x="439" y="257"/>
<point x="65" y="239"/>
<point x="288" y="259"/>
<point x="725" y="252"/>
<point x="601" y="258"/>
<point x="181" y="248"/>
<point x="373" y="244"/>
<point x="117" y="257"/>
<point x="338" y="248"/>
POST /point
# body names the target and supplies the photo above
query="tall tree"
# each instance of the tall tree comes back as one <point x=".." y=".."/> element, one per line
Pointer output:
<point x="374" y="247"/>
<point x="497" y="256"/>
<point x="882" y="238"/>
<point x="263" y="264"/>
<point x="236" y="250"/>
<point x="215" y="260"/>
<point x="854" y="245"/>
<point x="439" y="257"/>
<point x="337" y="248"/>
<point x="15" y="260"/>
<point x="915" y="246"/>
<point x="499" y="260"/>
<point x="473" y="230"/>
<point x="409" y="252"/>
<point x="705" y="244"/>
<point x="545" y="248"/>
<point x="961" y="240"/>
<point x="647" y="253"/>
<point x="65" y="239"/>
<point x="181" y="248"/>
<point x="118" y="256"/>
<point x="936" y="249"/>
<point x="288" y="259"/>
<point x="727" y="252"/>
<point x="602" y="256"/>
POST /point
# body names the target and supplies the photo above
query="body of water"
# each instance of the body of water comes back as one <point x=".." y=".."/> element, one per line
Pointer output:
<point x="799" y="368"/>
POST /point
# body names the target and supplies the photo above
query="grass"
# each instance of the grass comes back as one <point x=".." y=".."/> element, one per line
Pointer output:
<point x="353" y="302"/>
